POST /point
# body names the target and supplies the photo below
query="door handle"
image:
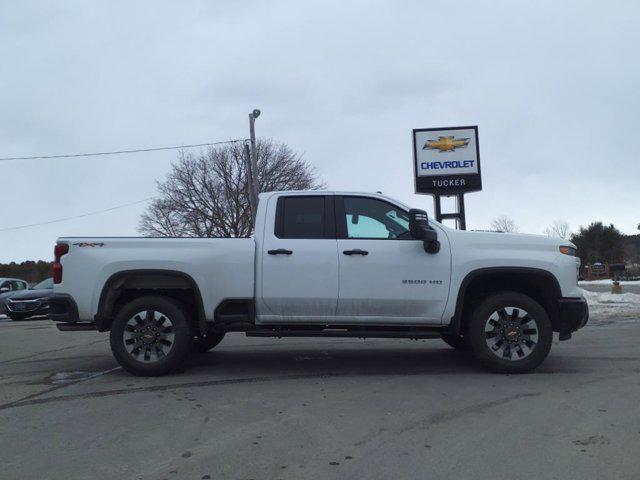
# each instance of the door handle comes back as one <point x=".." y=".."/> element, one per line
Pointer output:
<point x="280" y="251"/>
<point x="357" y="251"/>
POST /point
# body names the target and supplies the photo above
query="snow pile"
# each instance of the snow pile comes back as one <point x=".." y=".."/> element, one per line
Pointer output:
<point x="608" y="281"/>
<point x="606" y="304"/>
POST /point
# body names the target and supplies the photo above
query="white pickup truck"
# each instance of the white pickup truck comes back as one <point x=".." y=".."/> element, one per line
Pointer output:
<point x="332" y="264"/>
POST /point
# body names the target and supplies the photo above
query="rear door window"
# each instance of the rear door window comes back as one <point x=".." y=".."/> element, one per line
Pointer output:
<point x="303" y="217"/>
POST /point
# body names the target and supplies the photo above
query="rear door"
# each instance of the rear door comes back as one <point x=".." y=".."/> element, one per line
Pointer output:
<point x="385" y="275"/>
<point x="299" y="261"/>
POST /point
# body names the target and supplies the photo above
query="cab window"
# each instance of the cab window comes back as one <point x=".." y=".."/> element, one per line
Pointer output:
<point x="307" y="217"/>
<point x="371" y="218"/>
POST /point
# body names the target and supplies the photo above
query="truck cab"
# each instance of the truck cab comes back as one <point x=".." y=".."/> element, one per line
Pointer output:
<point x="347" y="258"/>
<point x="323" y="264"/>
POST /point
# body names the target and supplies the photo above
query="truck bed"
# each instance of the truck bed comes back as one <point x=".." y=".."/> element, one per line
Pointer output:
<point x="221" y="267"/>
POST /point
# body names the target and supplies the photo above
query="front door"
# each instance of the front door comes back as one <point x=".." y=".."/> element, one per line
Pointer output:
<point x="386" y="276"/>
<point x="300" y="262"/>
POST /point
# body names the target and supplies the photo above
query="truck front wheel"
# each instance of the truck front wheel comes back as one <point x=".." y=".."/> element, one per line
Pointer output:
<point x="151" y="336"/>
<point x="510" y="333"/>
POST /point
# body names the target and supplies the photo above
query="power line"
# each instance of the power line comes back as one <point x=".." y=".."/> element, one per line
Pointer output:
<point x="77" y="216"/>
<point x="117" y="152"/>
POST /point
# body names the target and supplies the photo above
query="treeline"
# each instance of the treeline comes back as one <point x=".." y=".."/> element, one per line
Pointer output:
<point x="30" y="271"/>
<point x="597" y="242"/>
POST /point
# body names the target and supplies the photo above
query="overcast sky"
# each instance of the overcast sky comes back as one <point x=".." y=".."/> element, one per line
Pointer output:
<point x="553" y="87"/>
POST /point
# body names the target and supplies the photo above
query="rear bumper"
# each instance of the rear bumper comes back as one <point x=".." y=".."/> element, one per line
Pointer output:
<point x="63" y="308"/>
<point x="573" y="314"/>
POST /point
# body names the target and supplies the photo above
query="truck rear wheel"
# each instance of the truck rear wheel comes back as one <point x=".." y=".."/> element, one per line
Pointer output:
<point x="151" y="336"/>
<point x="510" y="333"/>
<point x="206" y="343"/>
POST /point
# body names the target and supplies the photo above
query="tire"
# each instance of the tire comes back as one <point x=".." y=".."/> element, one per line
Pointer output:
<point x="510" y="333"/>
<point x="456" y="341"/>
<point x="17" y="318"/>
<point x="151" y="336"/>
<point x="206" y="343"/>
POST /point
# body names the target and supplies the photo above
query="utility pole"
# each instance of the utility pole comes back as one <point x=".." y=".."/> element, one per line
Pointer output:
<point x="247" y="159"/>
<point x="252" y="166"/>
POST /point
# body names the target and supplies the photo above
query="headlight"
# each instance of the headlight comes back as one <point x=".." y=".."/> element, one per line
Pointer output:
<point x="568" y="250"/>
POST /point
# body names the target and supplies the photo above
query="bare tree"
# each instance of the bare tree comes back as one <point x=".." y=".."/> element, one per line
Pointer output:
<point x="504" y="224"/>
<point x="206" y="195"/>
<point x="558" y="228"/>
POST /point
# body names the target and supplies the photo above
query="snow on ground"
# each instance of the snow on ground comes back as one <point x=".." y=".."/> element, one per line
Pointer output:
<point x="608" y="281"/>
<point x="604" y="305"/>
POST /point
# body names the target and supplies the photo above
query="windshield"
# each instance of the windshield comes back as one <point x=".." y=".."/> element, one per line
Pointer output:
<point x="44" y="285"/>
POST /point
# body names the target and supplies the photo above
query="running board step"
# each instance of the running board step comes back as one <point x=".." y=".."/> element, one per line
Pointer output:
<point x="74" y="327"/>
<point x="344" y="333"/>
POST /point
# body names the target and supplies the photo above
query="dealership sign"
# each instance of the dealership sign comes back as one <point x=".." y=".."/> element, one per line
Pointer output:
<point x="446" y="160"/>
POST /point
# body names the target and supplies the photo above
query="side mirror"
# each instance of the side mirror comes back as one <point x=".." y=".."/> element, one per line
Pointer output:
<point x="4" y="289"/>
<point x="419" y="229"/>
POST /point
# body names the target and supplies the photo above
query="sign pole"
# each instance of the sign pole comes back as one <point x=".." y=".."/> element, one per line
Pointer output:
<point x="462" y="220"/>
<point x="458" y="215"/>
<point x="437" y="208"/>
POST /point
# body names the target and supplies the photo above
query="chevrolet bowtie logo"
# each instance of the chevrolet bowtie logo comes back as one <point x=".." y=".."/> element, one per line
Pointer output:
<point x="446" y="144"/>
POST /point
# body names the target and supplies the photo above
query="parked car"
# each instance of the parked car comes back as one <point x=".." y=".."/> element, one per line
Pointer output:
<point x="323" y="264"/>
<point x="31" y="302"/>
<point x="8" y="288"/>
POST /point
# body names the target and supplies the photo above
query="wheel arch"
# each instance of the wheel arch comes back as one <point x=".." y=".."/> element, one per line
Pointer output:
<point x="539" y="284"/>
<point x="126" y="284"/>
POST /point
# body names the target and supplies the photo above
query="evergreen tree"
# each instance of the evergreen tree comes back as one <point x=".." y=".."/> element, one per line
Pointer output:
<point x="599" y="243"/>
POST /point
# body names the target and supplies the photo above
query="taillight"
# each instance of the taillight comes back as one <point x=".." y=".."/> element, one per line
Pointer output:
<point x="59" y="250"/>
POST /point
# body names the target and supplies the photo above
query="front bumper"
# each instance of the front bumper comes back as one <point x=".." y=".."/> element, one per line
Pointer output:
<point x="573" y="314"/>
<point x="63" y="308"/>
<point x="27" y="308"/>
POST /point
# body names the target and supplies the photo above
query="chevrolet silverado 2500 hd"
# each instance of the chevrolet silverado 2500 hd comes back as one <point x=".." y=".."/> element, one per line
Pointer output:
<point x="322" y="264"/>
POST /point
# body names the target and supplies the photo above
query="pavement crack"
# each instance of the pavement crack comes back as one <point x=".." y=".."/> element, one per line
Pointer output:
<point x="444" y="417"/>
<point x="33" y="398"/>
<point x="13" y="360"/>
<point x="447" y="416"/>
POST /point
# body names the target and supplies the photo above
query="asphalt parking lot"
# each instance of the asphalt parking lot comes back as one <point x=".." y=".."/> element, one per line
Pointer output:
<point x="318" y="408"/>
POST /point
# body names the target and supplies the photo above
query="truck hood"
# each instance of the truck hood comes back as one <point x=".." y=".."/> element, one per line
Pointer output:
<point x="520" y="241"/>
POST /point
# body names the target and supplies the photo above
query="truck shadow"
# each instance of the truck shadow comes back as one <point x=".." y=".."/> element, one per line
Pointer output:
<point x="297" y="361"/>
<point x="342" y="360"/>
